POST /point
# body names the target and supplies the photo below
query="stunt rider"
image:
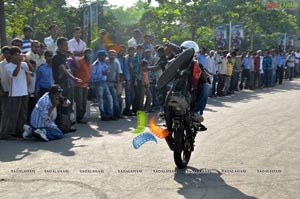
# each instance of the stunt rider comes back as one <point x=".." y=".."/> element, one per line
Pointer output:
<point x="204" y="84"/>
<point x="203" y="87"/>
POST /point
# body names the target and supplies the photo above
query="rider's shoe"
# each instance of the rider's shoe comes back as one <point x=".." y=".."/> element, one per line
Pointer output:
<point x="161" y="115"/>
<point x="198" y="118"/>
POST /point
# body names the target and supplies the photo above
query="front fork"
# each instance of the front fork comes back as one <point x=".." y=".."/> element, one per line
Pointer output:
<point x="189" y="135"/>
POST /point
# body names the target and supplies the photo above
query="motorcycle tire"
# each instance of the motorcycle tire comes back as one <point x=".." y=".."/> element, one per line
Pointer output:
<point x="181" y="156"/>
<point x="179" y="63"/>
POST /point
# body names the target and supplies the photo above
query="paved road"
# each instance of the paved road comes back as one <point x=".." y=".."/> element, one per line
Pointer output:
<point x="251" y="150"/>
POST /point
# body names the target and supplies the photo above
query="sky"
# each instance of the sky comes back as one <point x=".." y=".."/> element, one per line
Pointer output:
<point x="124" y="3"/>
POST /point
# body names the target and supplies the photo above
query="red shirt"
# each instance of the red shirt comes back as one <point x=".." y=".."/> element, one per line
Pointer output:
<point x="257" y="63"/>
<point x="83" y="73"/>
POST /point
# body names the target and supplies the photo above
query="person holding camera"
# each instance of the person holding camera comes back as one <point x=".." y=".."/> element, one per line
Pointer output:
<point x="44" y="115"/>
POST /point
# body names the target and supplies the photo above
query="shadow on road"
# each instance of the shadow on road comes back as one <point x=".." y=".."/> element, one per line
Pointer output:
<point x="20" y="149"/>
<point x="246" y="96"/>
<point x="205" y="184"/>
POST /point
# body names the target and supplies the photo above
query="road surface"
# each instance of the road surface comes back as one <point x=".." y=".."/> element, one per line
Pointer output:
<point x="251" y="150"/>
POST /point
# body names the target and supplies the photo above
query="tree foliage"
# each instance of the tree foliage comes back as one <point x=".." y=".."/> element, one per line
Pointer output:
<point x="175" y="20"/>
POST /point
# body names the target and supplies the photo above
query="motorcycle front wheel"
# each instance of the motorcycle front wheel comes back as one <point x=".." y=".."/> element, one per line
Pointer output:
<point x="182" y="154"/>
<point x="180" y="63"/>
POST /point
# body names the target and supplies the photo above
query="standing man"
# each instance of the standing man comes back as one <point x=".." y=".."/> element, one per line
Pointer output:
<point x="280" y="59"/>
<point x="267" y="67"/>
<point x="27" y="31"/>
<point x="33" y="55"/>
<point x="62" y="73"/>
<point x="98" y="79"/>
<point x="129" y="84"/>
<point x="51" y="41"/>
<point x="99" y="43"/>
<point x="256" y="73"/>
<point x="124" y="77"/>
<point x="148" y="45"/>
<point x="113" y="81"/>
<point x="274" y="66"/>
<point x="5" y="80"/>
<point x="247" y="61"/>
<point x="44" y="75"/>
<point x="210" y="68"/>
<point x="16" y="109"/>
<point x="222" y="68"/>
<point x="291" y="61"/>
<point x="135" y="40"/>
<point x="138" y="57"/>
<point x="76" y="45"/>
<point x="297" y="65"/>
<point x="81" y="89"/>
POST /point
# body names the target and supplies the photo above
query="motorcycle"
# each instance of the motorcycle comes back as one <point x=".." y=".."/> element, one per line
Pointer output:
<point x="184" y="73"/>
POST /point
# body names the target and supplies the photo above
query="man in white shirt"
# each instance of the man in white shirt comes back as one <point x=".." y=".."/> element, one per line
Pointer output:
<point x="135" y="40"/>
<point x="33" y="53"/>
<point x="16" y="110"/>
<point x="76" y="45"/>
<point x="210" y="66"/>
<point x="35" y="60"/>
<point x="51" y="40"/>
<point x="4" y="80"/>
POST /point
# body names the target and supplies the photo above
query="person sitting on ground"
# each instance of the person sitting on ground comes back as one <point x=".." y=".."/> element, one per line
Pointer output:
<point x="44" y="115"/>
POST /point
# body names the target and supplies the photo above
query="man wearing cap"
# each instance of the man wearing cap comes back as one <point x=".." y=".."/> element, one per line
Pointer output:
<point x="113" y="81"/>
<point x="27" y="31"/>
<point x="135" y="40"/>
<point x="43" y="116"/>
<point x="99" y="73"/>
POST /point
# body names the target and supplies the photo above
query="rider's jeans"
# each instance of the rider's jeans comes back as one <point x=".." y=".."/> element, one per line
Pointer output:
<point x="202" y="96"/>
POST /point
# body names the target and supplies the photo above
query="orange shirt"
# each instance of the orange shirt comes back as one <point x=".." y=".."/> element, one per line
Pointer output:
<point x="83" y="73"/>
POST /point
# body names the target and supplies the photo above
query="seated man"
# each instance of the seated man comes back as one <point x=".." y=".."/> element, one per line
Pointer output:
<point x="43" y="116"/>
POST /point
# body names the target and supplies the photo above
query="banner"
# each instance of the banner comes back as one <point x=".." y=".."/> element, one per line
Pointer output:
<point x="286" y="45"/>
<point x="220" y="36"/>
<point x="279" y="4"/>
<point x="237" y="36"/>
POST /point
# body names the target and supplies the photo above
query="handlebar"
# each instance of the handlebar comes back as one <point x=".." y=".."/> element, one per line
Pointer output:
<point x="177" y="49"/>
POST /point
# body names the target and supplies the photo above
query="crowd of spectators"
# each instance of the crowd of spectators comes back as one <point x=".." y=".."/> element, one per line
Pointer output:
<point x="46" y="85"/>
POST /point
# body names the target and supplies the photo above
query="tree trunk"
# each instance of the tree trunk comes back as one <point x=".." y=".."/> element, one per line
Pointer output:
<point x="2" y="25"/>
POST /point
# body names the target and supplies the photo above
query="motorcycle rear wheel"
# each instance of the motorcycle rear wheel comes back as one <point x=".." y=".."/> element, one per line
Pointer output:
<point x="181" y="154"/>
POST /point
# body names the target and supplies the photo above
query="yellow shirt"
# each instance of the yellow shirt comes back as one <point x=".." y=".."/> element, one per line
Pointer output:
<point x="229" y="69"/>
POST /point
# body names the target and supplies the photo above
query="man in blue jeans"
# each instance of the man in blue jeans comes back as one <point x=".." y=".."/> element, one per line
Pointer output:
<point x="43" y="116"/>
<point x="99" y="74"/>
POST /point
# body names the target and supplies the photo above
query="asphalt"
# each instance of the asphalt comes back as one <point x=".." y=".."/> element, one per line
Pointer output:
<point x="250" y="150"/>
